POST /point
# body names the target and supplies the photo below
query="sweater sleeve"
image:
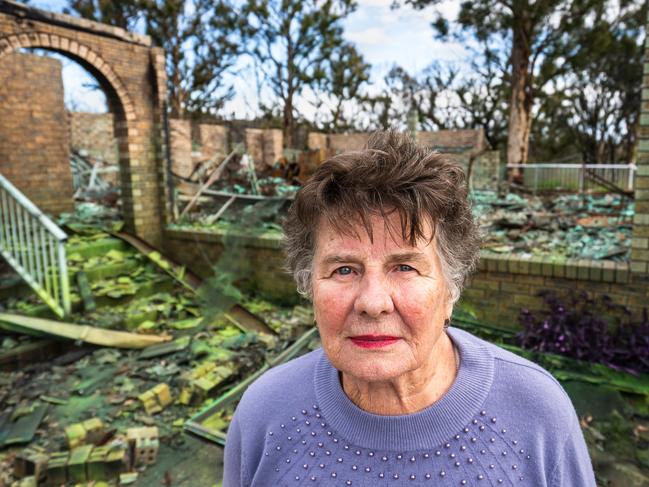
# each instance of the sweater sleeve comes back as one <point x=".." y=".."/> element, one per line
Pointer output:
<point x="233" y="464"/>
<point x="574" y="468"/>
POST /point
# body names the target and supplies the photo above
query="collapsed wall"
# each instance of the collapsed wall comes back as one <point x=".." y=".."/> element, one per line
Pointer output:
<point x="469" y="148"/>
<point x="194" y="143"/>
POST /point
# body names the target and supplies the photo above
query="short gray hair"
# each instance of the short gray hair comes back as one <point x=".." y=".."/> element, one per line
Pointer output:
<point x="392" y="173"/>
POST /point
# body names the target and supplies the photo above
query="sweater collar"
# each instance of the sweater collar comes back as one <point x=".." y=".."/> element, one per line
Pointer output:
<point x="422" y="430"/>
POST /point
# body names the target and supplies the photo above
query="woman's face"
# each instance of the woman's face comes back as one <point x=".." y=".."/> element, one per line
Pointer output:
<point x="380" y="306"/>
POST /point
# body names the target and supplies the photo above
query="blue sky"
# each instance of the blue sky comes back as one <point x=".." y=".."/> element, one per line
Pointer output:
<point x="384" y="36"/>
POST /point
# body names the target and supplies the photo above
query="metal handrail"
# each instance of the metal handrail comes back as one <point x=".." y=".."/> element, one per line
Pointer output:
<point x="544" y="165"/>
<point x="576" y="176"/>
<point x="35" y="247"/>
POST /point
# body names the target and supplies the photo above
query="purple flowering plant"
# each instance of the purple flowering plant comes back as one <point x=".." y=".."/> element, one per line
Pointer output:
<point x="588" y="328"/>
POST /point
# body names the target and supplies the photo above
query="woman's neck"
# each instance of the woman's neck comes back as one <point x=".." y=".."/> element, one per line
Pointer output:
<point x="410" y="392"/>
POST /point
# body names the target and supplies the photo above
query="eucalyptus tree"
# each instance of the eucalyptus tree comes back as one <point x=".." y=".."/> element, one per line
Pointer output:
<point x="543" y="37"/>
<point x="291" y="42"/>
<point x="120" y="13"/>
<point x="600" y="99"/>
<point x="201" y="43"/>
<point x="200" y="39"/>
<point x="451" y="96"/>
<point x="341" y="92"/>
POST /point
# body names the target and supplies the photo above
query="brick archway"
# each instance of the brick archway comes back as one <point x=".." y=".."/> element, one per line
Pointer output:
<point x="131" y="73"/>
<point x="80" y="53"/>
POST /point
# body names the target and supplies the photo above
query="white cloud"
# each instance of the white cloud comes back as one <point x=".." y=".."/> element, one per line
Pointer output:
<point x="367" y="37"/>
<point x="403" y="36"/>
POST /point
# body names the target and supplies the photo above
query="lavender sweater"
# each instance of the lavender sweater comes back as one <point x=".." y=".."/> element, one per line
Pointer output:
<point x="505" y="421"/>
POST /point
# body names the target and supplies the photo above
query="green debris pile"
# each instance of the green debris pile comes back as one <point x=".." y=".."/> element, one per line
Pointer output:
<point x="55" y="394"/>
<point x="569" y="226"/>
<point x="95" y="395"/>
<point x="254" y="218"/>
<point x="276" y="186"/>
<point x="270" y="186"/>
<point x="267" y="229"/>
<point x="88" y="217"/>
<point x="242" y="176"/>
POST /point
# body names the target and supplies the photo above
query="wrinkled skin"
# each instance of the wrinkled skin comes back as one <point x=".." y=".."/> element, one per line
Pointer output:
<point x="384" y="287"/>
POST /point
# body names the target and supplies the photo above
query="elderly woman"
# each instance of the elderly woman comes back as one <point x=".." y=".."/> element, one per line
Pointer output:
<point x="382" y="240"/>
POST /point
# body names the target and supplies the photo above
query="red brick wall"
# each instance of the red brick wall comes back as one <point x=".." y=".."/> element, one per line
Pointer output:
<point x="34" y="141"/>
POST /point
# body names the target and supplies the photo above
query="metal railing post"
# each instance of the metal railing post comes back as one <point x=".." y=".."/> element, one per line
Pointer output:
<point x="570" y="174"/>
<point x="63" y="275"/>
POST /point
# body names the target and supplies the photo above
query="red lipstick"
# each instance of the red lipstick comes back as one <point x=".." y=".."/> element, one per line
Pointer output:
<point x="373" y="341"/>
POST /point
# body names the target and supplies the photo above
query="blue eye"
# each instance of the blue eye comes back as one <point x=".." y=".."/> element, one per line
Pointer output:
<point x="344" y="270"/>
<point x="405" y="268"/>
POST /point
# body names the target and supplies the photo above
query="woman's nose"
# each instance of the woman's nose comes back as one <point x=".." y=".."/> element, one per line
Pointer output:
<point x="374" y="297"/>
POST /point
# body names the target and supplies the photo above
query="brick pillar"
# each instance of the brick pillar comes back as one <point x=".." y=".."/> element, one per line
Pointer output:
<point x="640" y="242"/>
<point x="213" y="140"/>
<point x="317" y="140"/>
<point x="181" y="147"/>
<point x="264" y="146"/>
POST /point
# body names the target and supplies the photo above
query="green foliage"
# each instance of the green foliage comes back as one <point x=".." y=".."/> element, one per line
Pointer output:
<point x="200" y="39"/>
<point x="340" y="92"/>
<point x="120" y="13"/>
<point x="446" y="96"/>
<point x="596" y="112"/>
<point x="562" y="367"/>
<point x="561" y="64"/>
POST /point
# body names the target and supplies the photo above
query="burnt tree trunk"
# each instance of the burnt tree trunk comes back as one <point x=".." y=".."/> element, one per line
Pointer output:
<point x="291" y="80"/>
<point x="520" y="121"/>
<point x="175" y="90"/>
<point x="288" y="121"/>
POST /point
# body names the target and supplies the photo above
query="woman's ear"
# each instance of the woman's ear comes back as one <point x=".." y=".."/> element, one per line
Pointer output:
<point x="448" y="312"/>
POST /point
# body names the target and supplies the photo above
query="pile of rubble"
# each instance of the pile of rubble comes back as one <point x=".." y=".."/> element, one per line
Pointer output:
<point x="102" y="414"/>
<point x="568" y="226"/>
<point x="571" y="226"/>
<point x="77" y="413"/>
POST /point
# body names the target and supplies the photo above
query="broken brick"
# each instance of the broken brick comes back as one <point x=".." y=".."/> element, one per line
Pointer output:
<point x="156" y="399"/>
